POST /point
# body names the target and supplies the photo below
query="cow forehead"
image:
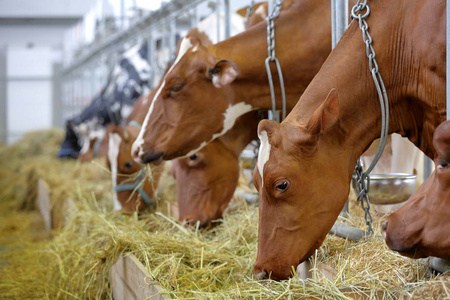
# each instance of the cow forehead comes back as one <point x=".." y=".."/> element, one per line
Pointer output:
<point x="184" y="48"/>
<point x="264" y="153"/>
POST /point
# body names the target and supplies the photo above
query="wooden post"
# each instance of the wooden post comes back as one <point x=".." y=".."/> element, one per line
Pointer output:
<point x="43" y="203"/>
<point x="131" y="281"/>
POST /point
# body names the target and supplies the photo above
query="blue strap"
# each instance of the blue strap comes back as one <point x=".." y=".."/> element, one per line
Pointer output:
<point x="136" y="186"/>
<point x="134" y="124"/>
<point x="97" y="146"/>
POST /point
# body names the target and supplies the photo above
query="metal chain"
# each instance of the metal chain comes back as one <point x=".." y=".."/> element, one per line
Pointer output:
<point x="360" y="12"/>
<point x="362" y="189"/>
<point x="250" y="11"/>
<point x="272" y="58"/>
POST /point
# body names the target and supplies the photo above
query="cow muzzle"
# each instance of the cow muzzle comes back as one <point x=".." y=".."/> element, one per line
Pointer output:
<point x="142" y="156"/>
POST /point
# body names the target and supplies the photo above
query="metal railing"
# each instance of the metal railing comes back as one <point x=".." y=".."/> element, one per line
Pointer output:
<point x="83" y="79"/>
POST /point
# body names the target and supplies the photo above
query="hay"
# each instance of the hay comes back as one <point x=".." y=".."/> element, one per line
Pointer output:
<point x="188" y="262"/>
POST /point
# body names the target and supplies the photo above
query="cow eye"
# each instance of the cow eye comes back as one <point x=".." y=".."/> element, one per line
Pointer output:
<point x="129" y="164"/>
<point x="282" y="186"/>
<point x="193" y="157"/>
<point x="177" y="88"/>
<point x="442" y="164"/>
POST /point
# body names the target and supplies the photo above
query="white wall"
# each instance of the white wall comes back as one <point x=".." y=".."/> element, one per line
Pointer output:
<point x="44" y="8"/>
<point x="29" y="90"/>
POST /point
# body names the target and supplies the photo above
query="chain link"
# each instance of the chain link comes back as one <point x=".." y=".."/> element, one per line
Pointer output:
<point x="272" y="58"/>
<point x="271" y="30"/>
<point x="360" y="12"/>
<point x="250" y="11"/>
<point x="362" y="190"/>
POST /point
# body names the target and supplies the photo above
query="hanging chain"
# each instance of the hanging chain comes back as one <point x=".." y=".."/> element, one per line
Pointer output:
<point x="250" y="11"/>
<point x="362" y="189"/>
<point x="360" y="12"/>
<point x="272" y="58"/>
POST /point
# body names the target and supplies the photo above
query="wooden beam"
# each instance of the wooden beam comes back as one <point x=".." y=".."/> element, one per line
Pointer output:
<point x="43" y="203"/>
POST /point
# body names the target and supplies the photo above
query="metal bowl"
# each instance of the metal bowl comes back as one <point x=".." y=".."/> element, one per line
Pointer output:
<point x="391" y="188"/>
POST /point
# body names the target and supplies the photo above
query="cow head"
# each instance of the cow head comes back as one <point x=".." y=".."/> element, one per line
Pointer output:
<point x="301" y="191"/>
<point x="126" y="174"/>
<point x="420" y="227"/>
<point x="193" y="105"/>
<point x="205" y="182"/>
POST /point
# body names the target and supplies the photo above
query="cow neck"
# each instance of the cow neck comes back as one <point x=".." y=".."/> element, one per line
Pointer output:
<point x="305" y="24"/>
<point x="242" y="133"/>
<point x="412" y="113"/>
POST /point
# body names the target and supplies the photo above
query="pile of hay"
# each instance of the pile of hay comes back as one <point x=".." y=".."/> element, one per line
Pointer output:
<point x="188" y="262"/>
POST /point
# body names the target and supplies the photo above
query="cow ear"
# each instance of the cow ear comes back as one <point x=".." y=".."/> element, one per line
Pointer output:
<point x="223" y="73"/>
<point x="326" y="115"/>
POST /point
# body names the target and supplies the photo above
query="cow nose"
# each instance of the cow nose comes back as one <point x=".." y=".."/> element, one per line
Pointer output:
<point x="154" y="157"/>
<point x="384" y="228"/>
<point x="135" y="152"/>
<point x="261" y="275"/>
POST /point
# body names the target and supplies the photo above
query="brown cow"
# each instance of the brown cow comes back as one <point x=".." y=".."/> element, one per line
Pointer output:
<point x="421" y="227"/>
<point x="133" y="190"/>
<point x="208" y="88"/>
<point x="206" y="181"/>
<point x="305" y="164"/>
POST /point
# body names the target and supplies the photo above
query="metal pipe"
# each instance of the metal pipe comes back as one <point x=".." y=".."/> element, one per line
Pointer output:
<point x="347" y="231"/>
<point x="339" y="20"/>
<point x="227" y="18"/>
<point x="427" y="167"/>
<point x="339" y="23"/>
<point x="218" y="20"/>
<point x="151" y="60"/>
<point x="439" y="264"/>
<point x="333" y="23"/>
<point x="172" y="38"/>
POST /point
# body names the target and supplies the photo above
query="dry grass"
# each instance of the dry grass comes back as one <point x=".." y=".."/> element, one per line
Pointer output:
<point x="74" y="264"/>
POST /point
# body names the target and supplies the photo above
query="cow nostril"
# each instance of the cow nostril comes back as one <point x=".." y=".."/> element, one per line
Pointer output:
<point x="135" y="154"/>
<point x="261" y="275"/>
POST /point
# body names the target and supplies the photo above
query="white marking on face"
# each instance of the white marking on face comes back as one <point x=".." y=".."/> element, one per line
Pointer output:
<point x="230" y="116"/>
<point x="263" y="154"/>
<point x="261" y="10"/>
<point x="85" y="147"/>
<point x="184" y="47"/>
<point x="113" y="156"/>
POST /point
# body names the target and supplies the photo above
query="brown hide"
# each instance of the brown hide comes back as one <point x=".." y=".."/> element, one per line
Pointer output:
<point x="421" y="227"/>
<point x="131" y="200"/>
<point x="127" y="170"/>
<point x="206" y="181"/>
<point x="206" y="184"/>
<point x="190" y="108"/>
<point x="97" y="148"/>
<point x="313" y="151"/>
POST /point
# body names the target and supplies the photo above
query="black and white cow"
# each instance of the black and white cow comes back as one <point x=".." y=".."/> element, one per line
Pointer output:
<point x="128" y="80"/>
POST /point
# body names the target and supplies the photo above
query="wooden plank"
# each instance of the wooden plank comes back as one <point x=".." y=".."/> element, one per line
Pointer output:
<point x="69" y="208"/>
<point x="307" y="270"/>
<point x="43" y="201"/>
<point x="130" y="280"/>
